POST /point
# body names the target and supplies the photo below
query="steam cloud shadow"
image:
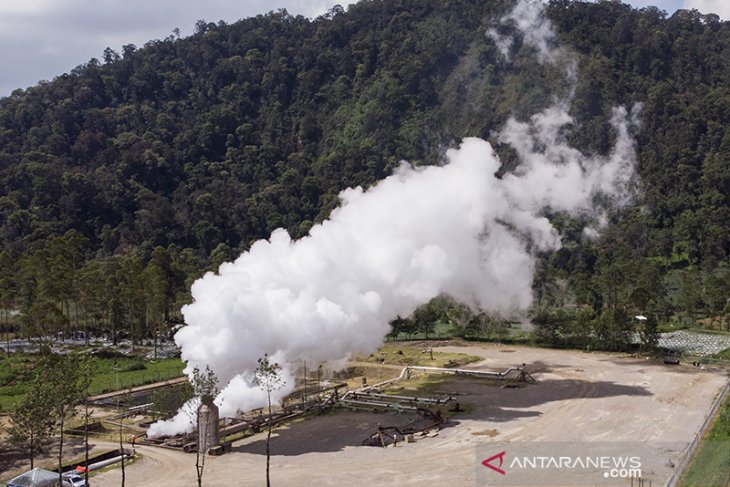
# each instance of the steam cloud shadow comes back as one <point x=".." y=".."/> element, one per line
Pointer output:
<point x="658" y="363"/>
<point x="483" y="400"/>
<point x="487" y="402"/>
<point x="330" y="432"/>
<point x="517" y="403"/>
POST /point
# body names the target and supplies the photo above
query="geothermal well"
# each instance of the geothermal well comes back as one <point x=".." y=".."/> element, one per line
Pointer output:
<point x="208" y="425"/>
<point x="313" y="398"/>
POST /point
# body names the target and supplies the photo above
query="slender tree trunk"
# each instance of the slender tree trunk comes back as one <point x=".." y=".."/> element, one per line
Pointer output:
<point x="201" y="449"/>
<point x="113" y="322"/>
<point x="60" y="450"/>
<point x="198" y="467"/>
<point x="86" y="327"/>
<point x="131" y="324"/>
<point x="86" y="440"/>
<point x="121" y="447"/>
<point x="69" y="325"/>
<point x="32" y="450"/>
<point x="146" y="323"/>
<point x="7" y="332"/>
<point x="268" y="440"/>
<point x="121" y="422"/>
<point x="197" y="462"/>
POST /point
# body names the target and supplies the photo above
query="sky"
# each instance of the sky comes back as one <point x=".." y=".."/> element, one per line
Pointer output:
<point x="41" y="39"/>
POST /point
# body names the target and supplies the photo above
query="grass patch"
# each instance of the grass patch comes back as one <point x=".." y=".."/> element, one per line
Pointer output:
<point x="705" y="331"/>
<point x="446" y="331"/>
<point x="491" y="433"/>
<point x="132" y="372"/>
<point x="436" y="385"/>
<point x="15" y="375"/>
<point x="672" y="326"/>
<point x="410" y="354"/>
<point x="109" y="375"/>
<point x="724" y="355"/>
<point x="710" y="465"/>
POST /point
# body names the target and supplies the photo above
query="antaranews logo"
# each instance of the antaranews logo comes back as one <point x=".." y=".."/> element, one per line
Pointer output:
<point x="488" y="463"/>
<point x="564" y="464"/>
<point x="621" y="467"/>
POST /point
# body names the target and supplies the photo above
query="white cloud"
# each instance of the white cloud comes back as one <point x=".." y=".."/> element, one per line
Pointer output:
<point x="670" y="6"/>
<point x="41" y="39"/>
<point x="719" y="7"/>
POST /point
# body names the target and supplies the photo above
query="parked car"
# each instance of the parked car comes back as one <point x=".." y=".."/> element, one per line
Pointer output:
<point x="73" y="480"/>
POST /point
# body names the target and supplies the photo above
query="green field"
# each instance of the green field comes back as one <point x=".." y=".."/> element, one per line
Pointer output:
<point x="710" y="466"/>
<point x="448" y="331"/>
<point x="724" y="355"/>
<point x="408" y="354"/>
<point x="109" y="374"/>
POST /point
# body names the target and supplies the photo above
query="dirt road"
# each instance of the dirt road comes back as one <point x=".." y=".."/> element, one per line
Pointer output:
<point x="156" y="466"/>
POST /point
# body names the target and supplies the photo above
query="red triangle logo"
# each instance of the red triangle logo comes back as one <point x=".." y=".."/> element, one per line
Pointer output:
<point x="487" y="463"/>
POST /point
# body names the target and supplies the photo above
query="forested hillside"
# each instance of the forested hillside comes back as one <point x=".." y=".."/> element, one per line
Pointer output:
<point x="124" y="180"/>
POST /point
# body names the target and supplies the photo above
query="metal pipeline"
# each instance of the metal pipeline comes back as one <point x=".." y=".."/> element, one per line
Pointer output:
<point x="441" y="370"/>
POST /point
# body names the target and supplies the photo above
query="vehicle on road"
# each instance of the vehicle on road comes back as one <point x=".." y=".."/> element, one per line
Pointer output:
<point x="73" y="480"/>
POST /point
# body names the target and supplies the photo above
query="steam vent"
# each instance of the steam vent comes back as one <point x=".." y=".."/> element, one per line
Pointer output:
<point x="208" y="425"/>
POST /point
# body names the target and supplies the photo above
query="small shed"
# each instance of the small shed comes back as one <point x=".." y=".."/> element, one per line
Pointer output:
<point x="37" y="477"/>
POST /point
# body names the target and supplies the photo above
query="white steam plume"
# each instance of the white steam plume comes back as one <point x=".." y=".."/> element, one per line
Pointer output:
<point x="576" y="177"/>
<point x="529" y="19"/>
<point x="455" y="229"/>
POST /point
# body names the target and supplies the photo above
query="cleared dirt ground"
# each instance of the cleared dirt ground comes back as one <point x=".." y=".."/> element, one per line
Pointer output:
<point x="581" y="397"/>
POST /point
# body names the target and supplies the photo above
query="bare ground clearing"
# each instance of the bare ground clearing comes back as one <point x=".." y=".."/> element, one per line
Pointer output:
<point x="579" y="396"/>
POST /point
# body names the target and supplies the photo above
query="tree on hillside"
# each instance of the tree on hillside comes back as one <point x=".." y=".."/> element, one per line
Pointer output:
<point x="402" y="325"/>
<point x="689" y="295"/>
<point x="43" y="321"/>
<point x="614" y="329"/>
<point x="466" y="323"/>
<point x="427" y="316"/>
<point x="649" y="332"/>
<point x="8" y="292"/>
<point x="67" y="380"/>
<point x="133" y="297"/>
<point x="716" y="294"/>
<point x="269" y="378"/>
<point x="33" y="420"/>
<point x="176" y="156"/>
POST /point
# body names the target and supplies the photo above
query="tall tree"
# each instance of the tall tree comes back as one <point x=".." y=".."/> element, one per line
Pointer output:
<point x="205" y="388"/>
<point x="34" y="419"/>
<point x="130" y="276"/>
<point x="8" y="292"/>
<point x="269" y="378"/>
<point x="67" y="380"/>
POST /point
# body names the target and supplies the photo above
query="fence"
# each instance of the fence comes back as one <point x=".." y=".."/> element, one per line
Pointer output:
<point x="690" y="450"/>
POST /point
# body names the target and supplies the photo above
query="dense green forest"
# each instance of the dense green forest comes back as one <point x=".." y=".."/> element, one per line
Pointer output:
<point x="125" y="179"/>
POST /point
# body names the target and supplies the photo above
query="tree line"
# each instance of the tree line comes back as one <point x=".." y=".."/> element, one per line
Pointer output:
<point x="127" y="178"/>
<point x="57" y="289"/>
